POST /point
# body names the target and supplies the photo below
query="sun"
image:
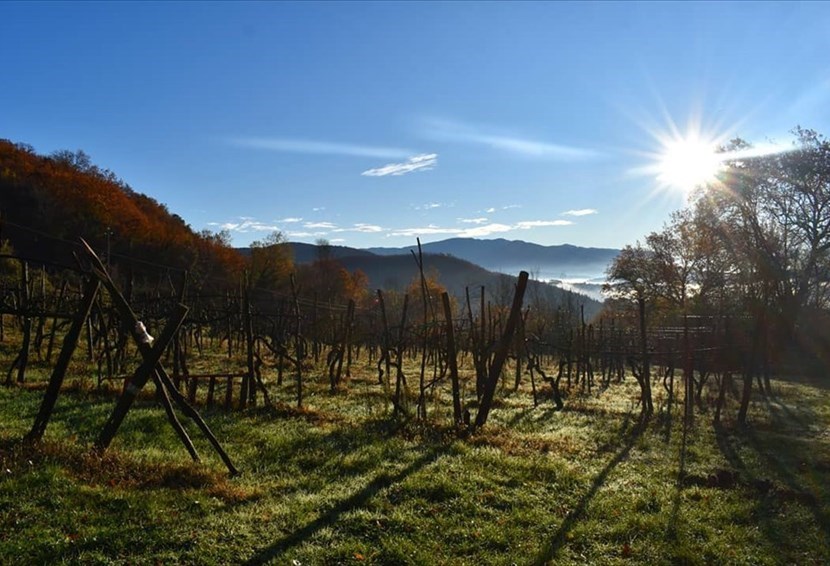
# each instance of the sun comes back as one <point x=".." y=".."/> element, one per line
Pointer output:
<point x="688" y="162"/>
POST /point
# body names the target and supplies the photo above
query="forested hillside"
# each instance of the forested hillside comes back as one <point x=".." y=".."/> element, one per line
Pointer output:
<point x="48" y="202"/>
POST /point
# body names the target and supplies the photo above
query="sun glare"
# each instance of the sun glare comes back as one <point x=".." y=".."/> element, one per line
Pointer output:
<point x="687" y="163"/>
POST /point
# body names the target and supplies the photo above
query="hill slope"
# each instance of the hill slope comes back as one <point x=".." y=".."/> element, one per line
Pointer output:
<point x="514" y="255"/>
<point x="396" y="272"/>
<point x="49" y="202"/>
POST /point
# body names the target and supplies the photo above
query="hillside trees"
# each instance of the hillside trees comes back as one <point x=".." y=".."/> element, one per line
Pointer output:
<point x="775" y="216"/>
<point x="270" y="264"/>
<point x="753" y="246"/>
<point x="327" y="280"/>
<point x="51" y="201"/>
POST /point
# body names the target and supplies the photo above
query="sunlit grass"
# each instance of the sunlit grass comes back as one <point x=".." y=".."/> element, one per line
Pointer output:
<point x="342" y="482"/>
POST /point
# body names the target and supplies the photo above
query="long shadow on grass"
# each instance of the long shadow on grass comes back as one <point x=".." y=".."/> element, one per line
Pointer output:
<point x="359" y="498"/>
<point x="555" y="544"/>
<point x="671" y="532"/>
<point x="766" y="493"/>
<point x="806" y="497"/>
<point x="781" y="413"/>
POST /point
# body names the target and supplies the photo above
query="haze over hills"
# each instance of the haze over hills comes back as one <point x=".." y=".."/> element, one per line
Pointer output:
<point x="574" y="268"/>
<point x="510" y="256"/>
<point x="395" y="268"/>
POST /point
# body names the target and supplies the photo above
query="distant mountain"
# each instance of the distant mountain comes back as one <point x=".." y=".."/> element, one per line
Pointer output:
<point x="394" y="272"/>
<point x="307" y="253"/>
<point x="463" y="262"/>
<point x="511" y="256"/>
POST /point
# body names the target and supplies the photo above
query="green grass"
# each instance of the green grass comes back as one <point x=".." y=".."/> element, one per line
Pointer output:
<point x="340" y="482"/>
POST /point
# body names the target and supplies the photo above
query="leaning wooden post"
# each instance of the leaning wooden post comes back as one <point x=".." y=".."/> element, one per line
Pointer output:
<point x="386" y="342"/>
<point x="248" y="379"/>
<point x="188" y="410"/>
<point x="298" y="349"/>
<point x="456" y="393"/>
<point x="648" y="406"/>
<point x="47" y="405"/>
<point x="151" y="355"/>
<point x="502" y="348"/>
<point x="148" y="352"/>
<point x="688" y="369"/>
<point x="171" y="414"/>
<point x="25" y="305"/>
<point x="54" y="328"/>
<point x="422" y="407"/>
<point x="400" y="378"/>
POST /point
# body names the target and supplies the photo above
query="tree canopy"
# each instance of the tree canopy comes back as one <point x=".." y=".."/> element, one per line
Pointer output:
<point x="753" y="243"/>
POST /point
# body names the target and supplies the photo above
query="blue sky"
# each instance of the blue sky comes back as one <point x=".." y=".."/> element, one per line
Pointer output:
<point x="371" y="124"/>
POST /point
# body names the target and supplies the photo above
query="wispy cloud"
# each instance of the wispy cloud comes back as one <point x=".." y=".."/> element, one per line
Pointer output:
<point x="580" y="212"/>
<point x="430" y="205"/>
<point x="527" y="224"/>
<point x="433" y="230"/>
<point x="445" y="130"/>
<point x="245" y="224"/>
<point x="290" y="220"/>
<point x="324" y="225"/>
<point x="481" y="220"/>
<point x="318" y="208"/>
<point x="490" y="210"/>
<point x="367" y="228"/>
<point x="510" y="206"/>
<point x="292" y="145"/>
<point x="423" y="162"/>
<point x="301" y="234"/>
<point x="485" y="230"/>
<point x="362" y="228"/>
<point x="476" y="231"/>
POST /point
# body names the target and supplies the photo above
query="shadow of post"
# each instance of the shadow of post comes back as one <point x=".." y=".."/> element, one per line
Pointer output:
<point x="671" y="531"/>
<point x="764" y="495"/>
<point x="550" y="550"/>
<point x="810" y="500"/>
<point x="357" y="499"/>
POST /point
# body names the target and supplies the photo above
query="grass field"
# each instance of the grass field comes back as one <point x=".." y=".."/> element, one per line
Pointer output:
<point x="341" y="482"/>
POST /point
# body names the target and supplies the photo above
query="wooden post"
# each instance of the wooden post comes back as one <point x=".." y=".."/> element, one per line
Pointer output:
<point x="151" y="355"/>
<point x="54" y="328"/>
<point x="502" y="348"/>
<point x="400" y="379"/>
<point x="27" y="324"/>
<point x="70" y="341"/>
<point x="451" y="359"/>
<point x="648" y="406"/>
<point x="148" y="352"/>
<point x="386" y="342"/>
<point x="298" y="354"/>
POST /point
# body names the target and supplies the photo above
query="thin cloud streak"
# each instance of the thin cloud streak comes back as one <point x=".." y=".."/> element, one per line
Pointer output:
<point x="527" y="224"/>
<point x="423" y="162"/>
<point x="429" y="206"/>
<point x="433" y="230"/>
<point x="580" y="212"/>
<point x="304" y="234"/>
<point x="443" y="130"/>
<point x="362" y="228"/>
<point x="245" y="225"/>
<point x="477" y="231"/>
<point x="320" y="147"/>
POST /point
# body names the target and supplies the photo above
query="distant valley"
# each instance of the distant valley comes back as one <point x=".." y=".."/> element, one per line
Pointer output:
<point x="574" y="268"/>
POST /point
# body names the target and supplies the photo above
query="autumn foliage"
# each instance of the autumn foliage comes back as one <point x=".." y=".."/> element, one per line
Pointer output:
<point x="48" y="202"/>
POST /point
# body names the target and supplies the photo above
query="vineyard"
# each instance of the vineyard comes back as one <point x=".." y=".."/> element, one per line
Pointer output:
<point x="413" y="429"/>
